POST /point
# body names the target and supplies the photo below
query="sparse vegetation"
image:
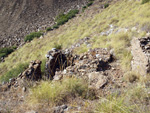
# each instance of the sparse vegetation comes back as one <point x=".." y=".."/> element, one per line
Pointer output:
<point x="58" y="46"/>
<point x="145" y="1"/>
<point x="32" y="35"/>
<point x="106" y="5"/>
<point x="132" y="77"/>
<point x="57" y="92"/>
<point x="6" y="51"/>
<point x="90" y="3"/>
<point x="83" y="8"/>
<point x="55" y="26"/>
<point x="63" y="18"/>
<point x="130" y="97"/>
<point x="113" y="104"/>
<point x="49" y="29"/>
<point x="13" y="72"/>
<point x="87" y="26"/>
<point x="43" y="66"/>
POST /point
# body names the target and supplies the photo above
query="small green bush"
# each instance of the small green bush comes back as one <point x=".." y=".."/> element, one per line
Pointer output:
<point x="83" y="8"/>
<point x="63" y="18"/>
<point x="55" y="26"/>
<point x="32" y="35"/>
<point x="106" y="5"/>
<point x="49" y="29"/>
<point x="58" y="46"/>
<point x="6" y="51"/>
<point x="90" y="3"/>
<point x="13" y="72"/>
<point x="145" y="1"/>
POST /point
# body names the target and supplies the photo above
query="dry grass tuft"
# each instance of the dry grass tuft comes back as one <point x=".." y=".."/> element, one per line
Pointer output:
<point x="56" y="93"/>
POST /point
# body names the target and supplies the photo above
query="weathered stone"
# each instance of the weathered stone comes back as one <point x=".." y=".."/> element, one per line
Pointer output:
<point x="60" y="109"/>
<point x="140" y="52"/>
<point x="57" y="60"/>
<point x="33" y="72"/>
<point x="96" y="80"/>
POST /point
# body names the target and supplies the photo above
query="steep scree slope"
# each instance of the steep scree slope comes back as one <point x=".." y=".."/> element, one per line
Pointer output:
<point x="20" y="17"/>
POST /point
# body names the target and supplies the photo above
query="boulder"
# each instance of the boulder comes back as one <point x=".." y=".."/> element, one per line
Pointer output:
<point x="97" y="80"/>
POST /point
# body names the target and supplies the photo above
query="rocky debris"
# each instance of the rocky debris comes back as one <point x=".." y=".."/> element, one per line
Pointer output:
<point x="145" y="45"/>
<point x="60" y="109"/>
<point x="141" y="55"/>
<point x="95" y="60"/>
<point x="85" y="41"/>
<point x="33" y="72"/>
<point x="96" y="66"/>
<point x="57" y="60"/>
<point x="92" y="65"/>
<point x="13" y="93"/>
<point x="2" y="59"/>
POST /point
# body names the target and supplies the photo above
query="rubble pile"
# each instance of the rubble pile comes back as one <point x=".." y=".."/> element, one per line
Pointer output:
<point x="32" y="73"/>
<point x="91" y="65"/>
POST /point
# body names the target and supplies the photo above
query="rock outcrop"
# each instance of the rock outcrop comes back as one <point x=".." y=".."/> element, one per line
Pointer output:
<point x="33" y="72"/>
<point x="57" y="60"/>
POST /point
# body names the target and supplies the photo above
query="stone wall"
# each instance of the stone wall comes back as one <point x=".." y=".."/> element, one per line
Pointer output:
<point x="140" y="52"/>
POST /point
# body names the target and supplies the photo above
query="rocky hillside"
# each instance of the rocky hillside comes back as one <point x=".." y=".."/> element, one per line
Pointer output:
<point x="21" y="17"/>
<point x="95" y="62"/>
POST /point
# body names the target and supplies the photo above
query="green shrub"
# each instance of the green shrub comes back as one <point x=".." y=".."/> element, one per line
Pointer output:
<point x="13" y="72"/>
<point x="83" y="8"/>
<point x="6" y="51"/>
<point x="58" y="46"/>
<point x="55" y="26"/>
<point x="145" y="1"/>
<point x="90" y="3"/>
<point x="106" y="5"/>
<point x="58" y="92"/>
<point x="49" y="29"/>
<point x="63" y="18"/>
<point x="32" y="35"/>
